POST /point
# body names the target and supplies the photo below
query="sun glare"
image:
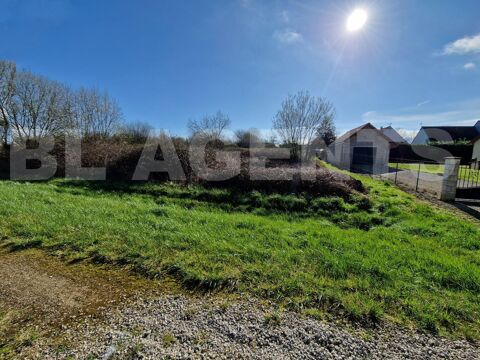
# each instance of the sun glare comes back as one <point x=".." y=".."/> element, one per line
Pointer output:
<point x="356" y="20"/>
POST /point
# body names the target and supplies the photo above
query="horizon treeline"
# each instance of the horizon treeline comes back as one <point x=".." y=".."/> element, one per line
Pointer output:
<point x="33" y="106"/>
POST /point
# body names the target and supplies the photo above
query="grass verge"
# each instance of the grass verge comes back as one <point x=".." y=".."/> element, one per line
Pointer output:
<point x="385" y="256"/>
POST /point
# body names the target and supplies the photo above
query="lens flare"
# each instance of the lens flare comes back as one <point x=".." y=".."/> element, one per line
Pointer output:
<point x="357" y="20"/>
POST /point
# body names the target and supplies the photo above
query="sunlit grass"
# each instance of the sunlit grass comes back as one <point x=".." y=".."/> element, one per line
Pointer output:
<point x="437" y="169"/>
<point x="385" y="257"/>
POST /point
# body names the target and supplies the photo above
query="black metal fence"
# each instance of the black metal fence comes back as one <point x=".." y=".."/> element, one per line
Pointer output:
<point x="469" y="176"/>
<point x="427" y="176"/>
<point x="417" y="175"/>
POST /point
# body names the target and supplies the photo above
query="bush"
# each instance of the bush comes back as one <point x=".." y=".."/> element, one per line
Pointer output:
<point x="120" y="158"/>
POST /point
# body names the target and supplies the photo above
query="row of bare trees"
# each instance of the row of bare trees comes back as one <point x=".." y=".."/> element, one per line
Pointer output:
<point x="32" y="106"/>
<point x="303" y="119"/>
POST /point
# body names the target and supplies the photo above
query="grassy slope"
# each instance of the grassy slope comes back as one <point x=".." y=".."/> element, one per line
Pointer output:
<point x="417" y="265"/>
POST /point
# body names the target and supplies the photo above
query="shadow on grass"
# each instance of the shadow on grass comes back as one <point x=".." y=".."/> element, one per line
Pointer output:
<point x="131" y="263"/>
<point x="356" y="211"/>
<point x="12" y="246"/>
<point x="469" y="207"/>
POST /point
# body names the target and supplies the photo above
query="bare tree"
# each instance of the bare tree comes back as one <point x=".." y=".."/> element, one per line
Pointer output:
<point x="38" y="107"/>
<point x="7" y="89"/>
<point x="299" y="119"/>
<point x="33" y="106"/>
<point x="210" y="126"/>
<point x="95" y="113"/>
<point x="247" y="138"/>
<point x="136" y="132"/>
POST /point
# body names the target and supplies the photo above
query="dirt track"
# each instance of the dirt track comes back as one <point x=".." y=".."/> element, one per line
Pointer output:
<point x="40" y="293"/>
<point x="52" y="310"/>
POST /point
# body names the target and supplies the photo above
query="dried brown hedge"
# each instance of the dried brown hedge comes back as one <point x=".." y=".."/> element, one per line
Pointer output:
<point x="120" y="158"/>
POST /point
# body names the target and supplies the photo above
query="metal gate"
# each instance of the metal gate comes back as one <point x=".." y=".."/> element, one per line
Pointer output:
<point x="468" y="186"/>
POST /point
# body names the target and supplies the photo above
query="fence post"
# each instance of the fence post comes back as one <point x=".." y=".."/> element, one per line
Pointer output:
<point x="418" y="175"/>
<point x="450" y="178"/>
<point x="396" y="174"/>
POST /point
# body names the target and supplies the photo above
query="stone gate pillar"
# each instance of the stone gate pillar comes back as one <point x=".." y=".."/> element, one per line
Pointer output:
<point x="450" y="178"/>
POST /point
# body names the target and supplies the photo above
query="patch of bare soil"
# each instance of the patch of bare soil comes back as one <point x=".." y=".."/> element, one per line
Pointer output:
<point x="40" y="294"/>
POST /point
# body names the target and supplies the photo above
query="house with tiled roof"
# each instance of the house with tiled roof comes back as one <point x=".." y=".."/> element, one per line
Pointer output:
<point x="446" y="134"/>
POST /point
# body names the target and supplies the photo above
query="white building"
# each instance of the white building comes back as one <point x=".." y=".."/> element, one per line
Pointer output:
<point x="476" y="149"/>
<point x="363" y="149"/>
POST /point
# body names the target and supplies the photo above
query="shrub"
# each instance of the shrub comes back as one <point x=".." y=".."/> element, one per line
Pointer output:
<point x="121" y="157"/>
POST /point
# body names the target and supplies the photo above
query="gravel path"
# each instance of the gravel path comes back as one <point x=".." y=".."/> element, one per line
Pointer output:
<point x="430" y="183"/>
<point x="179" y="327"/>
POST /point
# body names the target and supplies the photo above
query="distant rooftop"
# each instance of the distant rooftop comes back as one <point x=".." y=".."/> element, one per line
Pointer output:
<point x="393" y="135"/>
<point x="452" y="133"/>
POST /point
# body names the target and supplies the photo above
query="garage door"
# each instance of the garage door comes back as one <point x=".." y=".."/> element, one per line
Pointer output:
<point x="363" y="159"/>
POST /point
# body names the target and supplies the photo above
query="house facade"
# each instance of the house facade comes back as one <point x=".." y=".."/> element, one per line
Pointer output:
<point x="476" y="149"/>
<point x="446" y="134"/>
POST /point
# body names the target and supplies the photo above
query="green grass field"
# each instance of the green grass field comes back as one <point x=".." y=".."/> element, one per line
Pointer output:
<point x="387" y="256"/>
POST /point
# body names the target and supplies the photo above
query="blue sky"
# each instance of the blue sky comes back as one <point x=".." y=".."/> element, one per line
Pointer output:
<point x="415" y="62"/>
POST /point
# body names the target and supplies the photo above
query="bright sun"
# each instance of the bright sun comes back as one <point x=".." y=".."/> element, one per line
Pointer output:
<point x="356" y="20"/>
